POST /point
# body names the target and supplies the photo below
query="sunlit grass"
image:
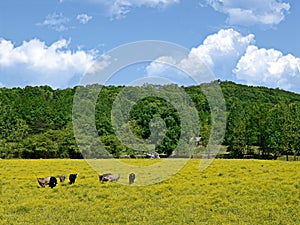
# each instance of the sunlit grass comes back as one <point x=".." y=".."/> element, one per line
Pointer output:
<point x="227" y="192"/>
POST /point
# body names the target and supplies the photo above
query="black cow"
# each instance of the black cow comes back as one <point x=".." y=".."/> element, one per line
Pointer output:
<point x="109" y="177"/>
<point x="62" y="178"/>
<point x="131" y="178"/>
<point x="52" y="182"/>
<point x="72" y="178"/>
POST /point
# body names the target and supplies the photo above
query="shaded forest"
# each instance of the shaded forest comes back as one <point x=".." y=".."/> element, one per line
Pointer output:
<point x="36" y="122"/>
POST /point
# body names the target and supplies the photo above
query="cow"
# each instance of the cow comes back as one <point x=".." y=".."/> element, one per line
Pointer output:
<point x="109" y="177"/>
<point x="131" y="178"/>
<point x="44" y="181"/>
<point x="62" y="178"/>
<point x="51" y="181"/>
<point x="72" y="178"/>
<point x="102" y="177"/>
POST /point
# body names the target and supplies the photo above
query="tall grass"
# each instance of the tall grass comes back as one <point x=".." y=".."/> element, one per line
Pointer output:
<point x="227" y="192"/>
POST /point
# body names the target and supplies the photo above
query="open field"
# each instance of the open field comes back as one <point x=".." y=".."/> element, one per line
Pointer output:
<point x="227" y="192"/>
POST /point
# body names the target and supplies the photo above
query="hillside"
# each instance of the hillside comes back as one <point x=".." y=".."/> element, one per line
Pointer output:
<point x="36" y="122"/>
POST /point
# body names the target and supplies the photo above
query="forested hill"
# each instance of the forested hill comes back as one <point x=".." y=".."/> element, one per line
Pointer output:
<point x="36" y="122"/>
<point x="244" y="93"/>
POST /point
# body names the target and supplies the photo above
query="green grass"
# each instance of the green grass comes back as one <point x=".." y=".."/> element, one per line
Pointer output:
<point x="227" y="192"/>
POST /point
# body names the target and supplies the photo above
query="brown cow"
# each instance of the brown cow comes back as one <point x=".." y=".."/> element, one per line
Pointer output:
<point x="62" y="178"/>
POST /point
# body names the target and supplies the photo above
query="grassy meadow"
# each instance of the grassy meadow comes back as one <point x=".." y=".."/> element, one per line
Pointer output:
<point x="227" y="192"/>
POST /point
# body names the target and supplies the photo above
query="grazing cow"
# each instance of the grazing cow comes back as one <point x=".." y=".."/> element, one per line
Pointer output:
<point x="131" y="178"/>
<point x="43" y="181"/>
<point x="102" y="177"/>
<point x="72" y="178"/>
<point x="109" y="177"/>
<point x="62" y="178"/>
<point x="51" y="181"/>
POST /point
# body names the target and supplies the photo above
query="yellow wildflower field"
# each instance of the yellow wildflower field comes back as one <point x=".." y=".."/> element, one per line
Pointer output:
<point x="227" y="192"/>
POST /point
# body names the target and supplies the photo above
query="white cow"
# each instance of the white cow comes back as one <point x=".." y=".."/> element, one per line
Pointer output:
<point x="109" y="177"/>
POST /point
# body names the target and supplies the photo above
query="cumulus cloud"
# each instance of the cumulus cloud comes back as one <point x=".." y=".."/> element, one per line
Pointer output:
<point x="56" y="21"/>
<point x="220" y="52"/>
<point x="35" y="63"/>
<point x="120" y="8"/>
<point x="268" y="67"/>
<point x="102" y="63"/>
<point x="83" y="18"/>
<point x="231" y="55"/>
<point x="245" y="12"/>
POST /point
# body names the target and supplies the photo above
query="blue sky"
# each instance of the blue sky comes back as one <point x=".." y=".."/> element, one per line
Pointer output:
<point x="54" y="42"/>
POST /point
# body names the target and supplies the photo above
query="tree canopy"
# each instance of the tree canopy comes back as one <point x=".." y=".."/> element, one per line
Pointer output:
<point x="36" y="122"/>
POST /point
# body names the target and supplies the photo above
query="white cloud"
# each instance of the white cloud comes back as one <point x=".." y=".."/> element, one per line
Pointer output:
<point x="83" y="18"/>
<point x="220" y="52"/>
<point x="119" y="8"/>
<point x="56" y="21"/>
<point x="100" y="64"/>
<point x="233" y="56"/>
<point x="268" y="67"/>
<point x="35" y="63"/>
<point x="245" y="12"/>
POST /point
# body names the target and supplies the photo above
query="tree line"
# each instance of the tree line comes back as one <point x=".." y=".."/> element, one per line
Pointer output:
<point x="36" y="122"/>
